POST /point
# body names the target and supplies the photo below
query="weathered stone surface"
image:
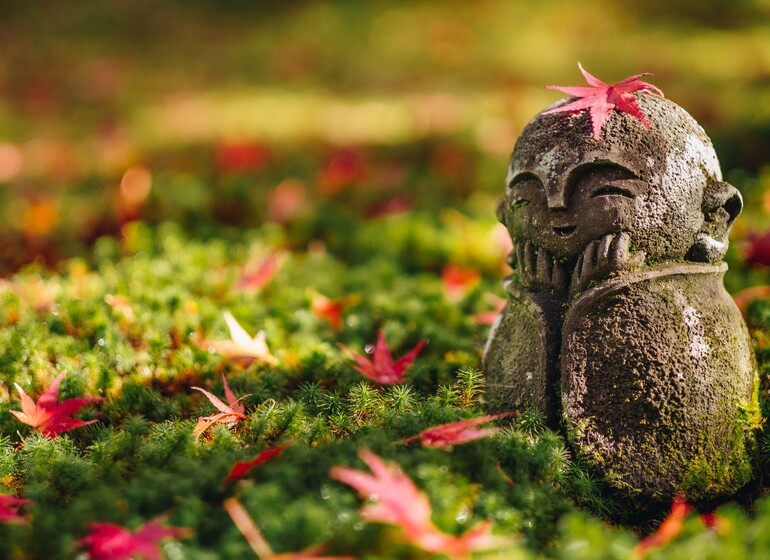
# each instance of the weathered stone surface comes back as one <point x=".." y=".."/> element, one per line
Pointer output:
<point x="618" y="327"/>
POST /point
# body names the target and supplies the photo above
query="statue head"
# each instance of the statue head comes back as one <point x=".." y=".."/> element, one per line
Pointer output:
<point x="661" y="186"/>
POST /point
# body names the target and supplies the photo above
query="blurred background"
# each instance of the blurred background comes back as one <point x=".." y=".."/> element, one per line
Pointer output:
<point x="309" y="116"/>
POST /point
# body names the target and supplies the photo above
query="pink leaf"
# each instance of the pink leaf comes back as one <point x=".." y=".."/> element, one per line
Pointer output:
<point x="397" y="501"/>
<point x="381" y="368"/>
<point x="113" y="542"/>
<point x="600" y="99"/>
<point x="445" y="436"/>
<point x="49" y="416"/>
<point x="9" y="509"/>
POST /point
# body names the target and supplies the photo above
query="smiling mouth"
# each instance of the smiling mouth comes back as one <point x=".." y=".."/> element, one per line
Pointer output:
<point x="564" y="231"/>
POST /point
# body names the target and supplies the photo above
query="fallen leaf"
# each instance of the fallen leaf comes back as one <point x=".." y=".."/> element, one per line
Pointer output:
<point x="259" y="545"/>
<point x="242" y="467"/>
<point x="229" y="414"/>
<point x="489" y="317"/>
<point x="668" y="530"/>
<point x="457" y="282"/>
<point x="600" y="99"/>
<point x="113" y="542"/>
<point x="256" y="277"/>
<point x="242" y="156"/>
<point x="445" y="436"/>
<point x="757" y="249"/>
<point x="331" y="309"/>
<point x="242" y="346"/>
<point x="49" y="416"/>
<point x="397" y="501"/>
<point x="382" y="368"/>
<point x="9" y="509"/>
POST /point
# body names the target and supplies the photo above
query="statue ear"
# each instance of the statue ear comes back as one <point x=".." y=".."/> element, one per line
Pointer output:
<point x="501" y="211"/>
<point x="720" y="197"/>
<point x="721" y="205"/>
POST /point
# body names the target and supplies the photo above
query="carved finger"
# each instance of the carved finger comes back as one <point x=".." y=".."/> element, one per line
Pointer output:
<point x="544" y="266"/>
<point x="589" y="262"/>
<point x="520" y="259"/>
<point x="620" y="250"/>
<point x="530" y="260"/>
<point x="603" y="252"/>
<point x="621" y="255"/>
<point x="558" y="280"/>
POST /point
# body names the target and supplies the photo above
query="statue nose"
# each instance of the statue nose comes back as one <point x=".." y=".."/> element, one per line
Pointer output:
<point x="556" y="200"/>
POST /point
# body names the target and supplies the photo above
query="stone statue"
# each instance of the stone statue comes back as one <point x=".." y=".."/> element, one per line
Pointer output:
<point x="618" y="327"/>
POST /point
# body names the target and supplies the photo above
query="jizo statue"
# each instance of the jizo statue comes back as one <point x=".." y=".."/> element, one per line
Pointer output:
<point x="618" y="327"/>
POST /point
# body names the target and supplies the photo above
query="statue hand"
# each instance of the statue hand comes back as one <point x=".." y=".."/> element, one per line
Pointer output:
<point x="538" y="270"/>
<point x="612" y="253"/>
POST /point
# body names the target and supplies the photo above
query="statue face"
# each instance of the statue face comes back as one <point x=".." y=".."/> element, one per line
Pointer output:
<point x="565" y="189"/>
<point x="596" y="199"/>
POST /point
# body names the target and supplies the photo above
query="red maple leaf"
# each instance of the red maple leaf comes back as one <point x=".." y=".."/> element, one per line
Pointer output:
<point x="113" y="542"/>
<point x="382" y="368"/>
<point x="600" y="99"/>
<point x="668" y="530"/>
<point x="458" y="281"/>
<point x="399" y="502"/>
<point x="757" y="249"/>
<point x="242" y="467"/>
<point x="9" y="509"/>
<point x="445" y="436"/>
<point x="229" y="414"/>
<point x="257" y="276"/>
<point x="48" y="415"/>
<point x="331" y="309"/>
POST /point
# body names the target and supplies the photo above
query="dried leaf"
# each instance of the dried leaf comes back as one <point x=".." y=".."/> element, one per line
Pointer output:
<point x="229" y="414"/>
<point x="241" y="347"/>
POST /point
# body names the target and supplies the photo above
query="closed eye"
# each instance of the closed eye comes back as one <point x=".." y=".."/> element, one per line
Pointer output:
<point x="612" y="190"/>
<point x="521" y="203"/>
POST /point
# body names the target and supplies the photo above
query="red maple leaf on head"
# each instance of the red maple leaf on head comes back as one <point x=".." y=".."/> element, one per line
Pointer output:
<point x="48" y="415"/>
<point x="399" y="502"/>
<point x="381" y="368"/>
<point x="445" y="436"/>
<point x="113" y="542"/>
<point x="9" y="509"/>
<point x="600" y="99"/>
